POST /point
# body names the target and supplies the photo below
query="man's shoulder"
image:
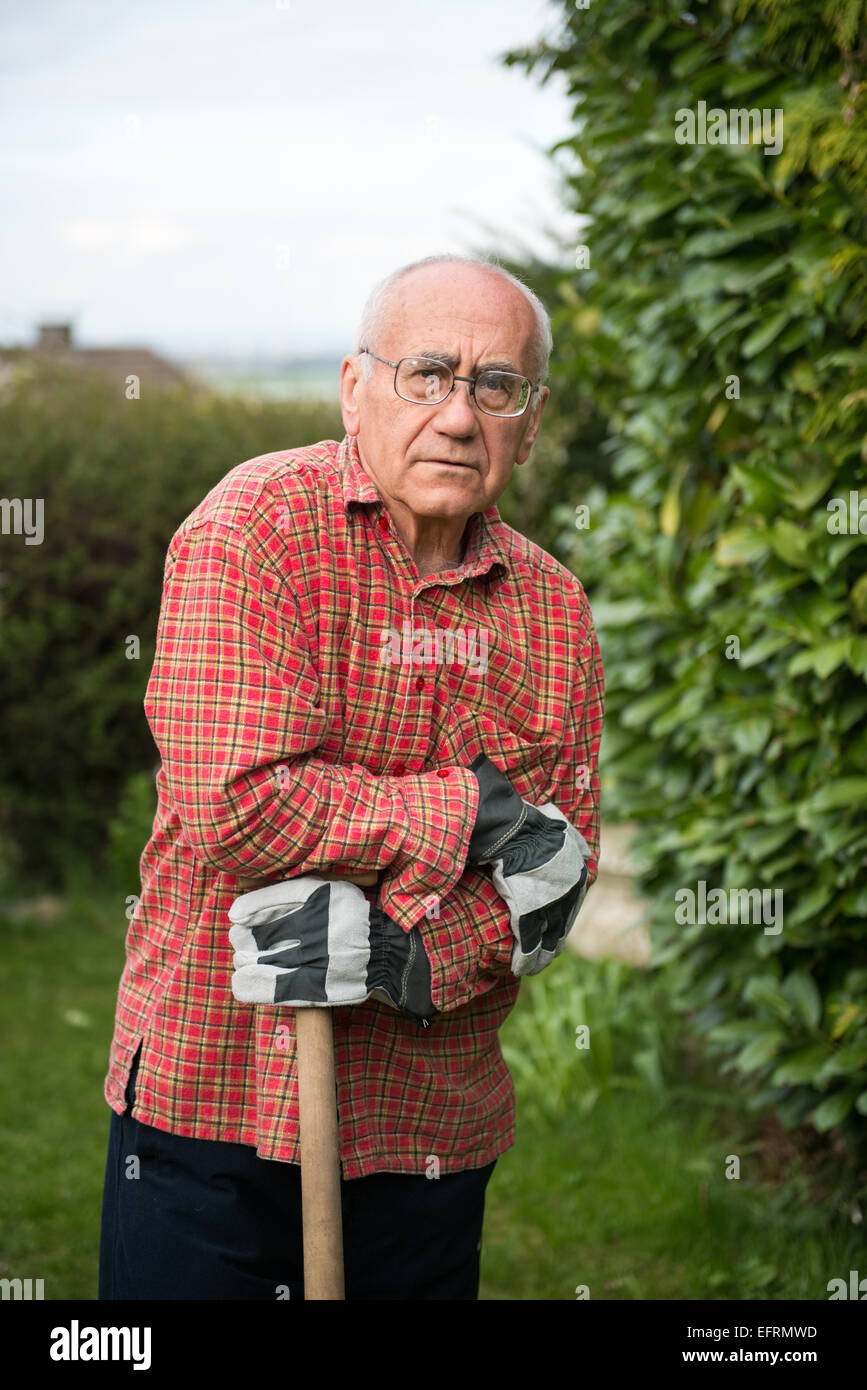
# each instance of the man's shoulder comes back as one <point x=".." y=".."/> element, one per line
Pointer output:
<point x="290" y="478"/>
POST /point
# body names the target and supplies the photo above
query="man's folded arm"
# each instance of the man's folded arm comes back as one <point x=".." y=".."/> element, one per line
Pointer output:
<point x="470" y="943"/>
<point x="233" y="704"/>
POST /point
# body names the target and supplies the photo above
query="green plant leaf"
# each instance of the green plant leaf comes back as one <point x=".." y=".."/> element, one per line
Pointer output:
<point x="842" y="792"/>
<point x="833" y="1110"/>
<point x="741" y="547"/>
<point x="800" y="1067"/>
<point x="761" y="1050"/>
<point x="801" y="989"/>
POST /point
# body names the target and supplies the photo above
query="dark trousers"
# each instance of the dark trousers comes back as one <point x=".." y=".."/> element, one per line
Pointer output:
<point x="203" y="1219"/>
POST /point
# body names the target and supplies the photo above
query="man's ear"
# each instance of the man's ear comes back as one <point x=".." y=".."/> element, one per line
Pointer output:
<point x="351" y="385"/>
<point x="532" y="430"/>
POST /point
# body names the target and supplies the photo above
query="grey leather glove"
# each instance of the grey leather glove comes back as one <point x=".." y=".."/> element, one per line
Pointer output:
<point x="538" y="862"/>
<point x="307" y="941"/>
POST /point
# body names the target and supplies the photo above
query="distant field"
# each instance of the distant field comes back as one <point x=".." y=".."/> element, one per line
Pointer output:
<point x="316" y="380"/>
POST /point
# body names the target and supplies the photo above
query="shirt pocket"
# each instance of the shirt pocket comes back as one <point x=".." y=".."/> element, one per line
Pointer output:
<point x="525" y="758"/>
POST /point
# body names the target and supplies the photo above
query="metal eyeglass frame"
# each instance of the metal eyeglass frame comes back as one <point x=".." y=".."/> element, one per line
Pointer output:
<point x="471" y="387"/>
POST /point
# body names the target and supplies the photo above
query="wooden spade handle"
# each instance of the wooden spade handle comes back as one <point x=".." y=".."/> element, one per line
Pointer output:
<point x="320" y="1156"/>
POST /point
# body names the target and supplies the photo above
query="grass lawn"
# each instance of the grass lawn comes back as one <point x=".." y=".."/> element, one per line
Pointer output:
<point x="635" y="1204"/>
<point x="59" y="986"/>
<point x="629" y="1199"/>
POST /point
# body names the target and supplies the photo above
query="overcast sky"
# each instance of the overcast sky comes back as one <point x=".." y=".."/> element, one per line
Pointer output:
<point x="232" y="177"/>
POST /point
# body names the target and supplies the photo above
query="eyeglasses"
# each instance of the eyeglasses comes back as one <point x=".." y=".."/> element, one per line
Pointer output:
<point x="427" y="381"/>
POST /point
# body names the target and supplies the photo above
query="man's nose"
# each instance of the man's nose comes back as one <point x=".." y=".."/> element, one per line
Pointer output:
<point x="457" y="414"/>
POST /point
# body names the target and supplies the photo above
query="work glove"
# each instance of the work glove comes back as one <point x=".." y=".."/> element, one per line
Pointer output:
<point x="538" y="862"/>
<point x="307" y="942"/>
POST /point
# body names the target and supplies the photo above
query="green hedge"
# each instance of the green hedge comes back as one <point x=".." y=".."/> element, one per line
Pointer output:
<point x="116" y="477"/>
<point x="744" y="761"/>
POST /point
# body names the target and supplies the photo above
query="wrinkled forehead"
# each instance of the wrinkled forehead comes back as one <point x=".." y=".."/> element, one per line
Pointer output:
<point x="458" y="308"/>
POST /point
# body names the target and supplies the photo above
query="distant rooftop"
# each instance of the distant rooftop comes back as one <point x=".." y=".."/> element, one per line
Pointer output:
<point x="115" y="364"/>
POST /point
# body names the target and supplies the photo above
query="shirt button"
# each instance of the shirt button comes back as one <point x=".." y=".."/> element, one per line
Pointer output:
<point x="399" y="769"/>
<point x="419" y="682"/>
<point x="442" y="772"/>
<point x="383" y="525"/>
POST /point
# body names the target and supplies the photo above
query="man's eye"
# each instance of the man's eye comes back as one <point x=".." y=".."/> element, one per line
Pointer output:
<point x="429" y="382"/>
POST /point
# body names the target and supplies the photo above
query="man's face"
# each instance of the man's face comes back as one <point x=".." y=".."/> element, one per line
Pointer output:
<point x="448" y="460"/>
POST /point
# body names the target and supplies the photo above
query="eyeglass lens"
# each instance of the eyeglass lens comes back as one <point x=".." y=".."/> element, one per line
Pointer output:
<point x="426" y="382"/>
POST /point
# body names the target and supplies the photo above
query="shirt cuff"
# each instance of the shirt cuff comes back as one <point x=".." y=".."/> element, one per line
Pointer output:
<point x="434" y="815"/>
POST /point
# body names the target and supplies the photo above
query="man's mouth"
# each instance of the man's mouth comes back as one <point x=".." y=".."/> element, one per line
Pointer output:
<point x="451" y="463"/>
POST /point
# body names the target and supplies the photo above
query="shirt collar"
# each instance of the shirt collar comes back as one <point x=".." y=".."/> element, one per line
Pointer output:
<point x="486" y="545"/>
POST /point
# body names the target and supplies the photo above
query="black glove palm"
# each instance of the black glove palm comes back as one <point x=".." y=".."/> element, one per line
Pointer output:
<point x="539" y="866"/>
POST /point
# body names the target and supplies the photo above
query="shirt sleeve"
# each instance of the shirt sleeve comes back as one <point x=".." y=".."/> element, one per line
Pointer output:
<point x="233" y="705"/>
<point x="468" y="935"/>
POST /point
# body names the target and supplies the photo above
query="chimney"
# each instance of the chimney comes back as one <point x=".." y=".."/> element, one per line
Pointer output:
<point x="55" y="337"/>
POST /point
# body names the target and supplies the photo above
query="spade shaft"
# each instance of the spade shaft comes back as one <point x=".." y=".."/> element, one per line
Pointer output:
<point x="320" y="1156"/>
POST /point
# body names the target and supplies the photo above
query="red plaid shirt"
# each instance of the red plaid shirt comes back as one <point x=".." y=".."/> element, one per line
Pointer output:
<point x="306" y="724"/>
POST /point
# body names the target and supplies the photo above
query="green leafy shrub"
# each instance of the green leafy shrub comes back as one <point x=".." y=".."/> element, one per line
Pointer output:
<point x="116" y="478"/>
<point x="129" y="830"/>
<point x="583" y="1029"/>
<point x="720" y="329"/>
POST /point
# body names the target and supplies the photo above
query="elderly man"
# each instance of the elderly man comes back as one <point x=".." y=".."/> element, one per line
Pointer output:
<point x="378" y="710"/>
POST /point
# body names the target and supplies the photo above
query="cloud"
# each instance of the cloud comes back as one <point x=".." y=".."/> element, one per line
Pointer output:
<point x="131" y="239"/>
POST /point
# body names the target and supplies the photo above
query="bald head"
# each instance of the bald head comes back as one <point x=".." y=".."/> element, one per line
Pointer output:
<point x="458" y="276"/>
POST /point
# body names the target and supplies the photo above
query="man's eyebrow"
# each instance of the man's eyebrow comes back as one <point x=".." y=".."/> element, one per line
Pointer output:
<point x="452" y="361"/>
